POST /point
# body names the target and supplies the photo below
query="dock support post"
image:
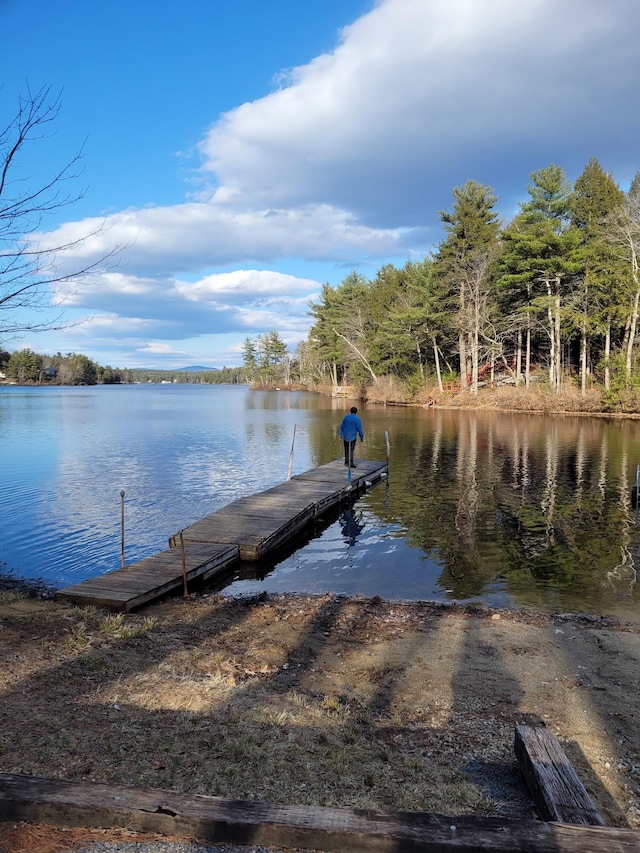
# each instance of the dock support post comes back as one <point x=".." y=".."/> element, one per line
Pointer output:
<point x="386" y="439"/>
<point x="184" y="565"/>
<point x="291" y="454"/>
<point x="637" y="491"/>
<point x="122" y="527"/>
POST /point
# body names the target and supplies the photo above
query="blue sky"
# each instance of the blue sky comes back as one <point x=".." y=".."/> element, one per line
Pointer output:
<point x="246" y="152"/>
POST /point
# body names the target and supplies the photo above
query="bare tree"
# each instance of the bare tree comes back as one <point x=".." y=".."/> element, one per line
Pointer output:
<point x="624" y="233"/>
<point x="474" y="315"/>
<point x="32" y="275"/>
<point x="356" y="340"/>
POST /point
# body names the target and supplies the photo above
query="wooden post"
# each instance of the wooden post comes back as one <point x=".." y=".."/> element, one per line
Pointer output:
<point x="122" y="527"/>
<point x="291" y="454"/>
<point x="386" y="438"/>
<point x="637" y="491"/>
<point x="184" y="565"/>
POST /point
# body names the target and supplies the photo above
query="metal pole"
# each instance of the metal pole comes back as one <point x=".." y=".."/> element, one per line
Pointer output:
<point x="184" y="565"/>
<point x="122" y="527"/>
<point x="291" y="454"/>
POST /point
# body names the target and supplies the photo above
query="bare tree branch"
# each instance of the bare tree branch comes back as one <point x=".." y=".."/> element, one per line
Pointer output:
<point x="359" y="354"/>
<point x="30" y="274"/>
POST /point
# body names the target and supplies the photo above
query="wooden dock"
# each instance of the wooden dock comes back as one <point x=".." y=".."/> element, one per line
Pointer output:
<point x="247" y="529"/>
<point x="151" y="578"/>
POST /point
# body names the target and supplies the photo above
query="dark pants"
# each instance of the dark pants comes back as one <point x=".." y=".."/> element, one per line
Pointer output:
<point x="349" y="451"/>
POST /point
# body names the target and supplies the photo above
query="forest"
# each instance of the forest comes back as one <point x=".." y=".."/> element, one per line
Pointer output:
<point x="550" y="298"/>
<point x="547" y="303"/>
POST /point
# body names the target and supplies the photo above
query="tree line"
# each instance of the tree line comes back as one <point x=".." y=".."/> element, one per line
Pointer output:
<point x="553" y="295"/>
<point x="27" y="367"/>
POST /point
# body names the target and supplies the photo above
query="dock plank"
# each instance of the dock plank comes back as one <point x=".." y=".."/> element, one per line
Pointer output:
<point x="254" y="535"/>
<point x="139" y="583"/>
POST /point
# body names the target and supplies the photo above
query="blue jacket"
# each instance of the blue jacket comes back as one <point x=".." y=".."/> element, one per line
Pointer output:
<point x="350" y="428"/>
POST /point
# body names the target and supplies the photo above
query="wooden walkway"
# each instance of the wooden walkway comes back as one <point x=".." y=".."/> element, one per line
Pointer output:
<point x="247" y="529"/>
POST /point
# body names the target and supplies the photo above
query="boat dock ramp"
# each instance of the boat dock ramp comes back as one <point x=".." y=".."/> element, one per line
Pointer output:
<point x="246" y="530"/>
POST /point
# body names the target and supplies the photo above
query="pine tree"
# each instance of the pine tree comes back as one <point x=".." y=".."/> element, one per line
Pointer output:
<point x="249" y="359"/>
<point x="595" y="306"/>
<point x="540" y="255"/>
<point x="463" y="263"/>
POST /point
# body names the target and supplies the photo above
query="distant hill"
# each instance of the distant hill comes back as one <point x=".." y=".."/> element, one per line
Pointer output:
<point x="195" y="368"/>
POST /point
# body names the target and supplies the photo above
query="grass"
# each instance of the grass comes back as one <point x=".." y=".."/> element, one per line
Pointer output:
<point x="278" y="699"/>
<point x="10" y="597"/>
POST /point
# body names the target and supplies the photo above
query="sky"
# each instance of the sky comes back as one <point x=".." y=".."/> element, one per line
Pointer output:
<point x="242" y="153"/>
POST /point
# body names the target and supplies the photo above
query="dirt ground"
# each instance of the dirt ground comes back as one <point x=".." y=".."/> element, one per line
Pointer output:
<point x="318" y="700"/>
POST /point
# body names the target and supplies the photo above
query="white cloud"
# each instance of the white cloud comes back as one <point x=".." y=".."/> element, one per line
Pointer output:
<point x="423" y="94"/>
<point x="191" y="237"/>
<point x="244" y="301"/>
<point x="155" y="348"/>
<point x="244" y="285"/>
<point x="350" y="160"/>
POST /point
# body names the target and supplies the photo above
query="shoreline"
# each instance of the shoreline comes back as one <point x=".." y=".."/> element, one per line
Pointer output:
<point x="505" y="399"/>
<point x="39" y="590"/>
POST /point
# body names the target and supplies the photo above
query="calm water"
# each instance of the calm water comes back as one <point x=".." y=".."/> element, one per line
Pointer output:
<point x="508" y="509"/>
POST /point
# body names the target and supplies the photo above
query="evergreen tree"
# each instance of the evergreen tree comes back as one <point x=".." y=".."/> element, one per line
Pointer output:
<point x="339" y="322"/>
<point x="271" y="351"/>
<point x="249" y="359"/>
<point x="463" y="263"/>
<point x="596" y="305"/>
<point x="540" y="253"/>
<point x="25" y="366"/>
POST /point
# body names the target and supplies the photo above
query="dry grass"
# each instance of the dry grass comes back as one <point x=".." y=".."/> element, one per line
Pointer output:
<point x="300" y="700"/>
<point x="538" y="398"/>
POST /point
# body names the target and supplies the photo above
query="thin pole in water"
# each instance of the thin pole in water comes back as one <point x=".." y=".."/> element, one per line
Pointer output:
<point x="387" y="495"/>
<point x="637" y="491"/>
<point x="184" y="565"/>
<point x="122" y="527"/>
<point x="291" y="454"/>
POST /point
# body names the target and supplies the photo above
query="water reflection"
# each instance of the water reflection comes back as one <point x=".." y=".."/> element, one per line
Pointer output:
<point x="478" y="505"/>
<point x="503" y="508"/>
<point x="351" y="525"/>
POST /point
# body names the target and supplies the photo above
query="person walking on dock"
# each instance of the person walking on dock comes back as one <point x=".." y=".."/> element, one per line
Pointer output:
<point x="350" y="429"/>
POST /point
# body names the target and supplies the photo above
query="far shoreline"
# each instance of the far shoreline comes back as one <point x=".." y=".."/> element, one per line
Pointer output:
<point x="506" y="399"/>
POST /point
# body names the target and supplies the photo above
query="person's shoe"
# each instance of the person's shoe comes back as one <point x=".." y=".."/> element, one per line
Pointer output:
<point x="353" y="466"/>
<point x="346" y="463"/>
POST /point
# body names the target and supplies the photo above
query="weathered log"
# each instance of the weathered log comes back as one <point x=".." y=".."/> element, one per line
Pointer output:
<point x="212" y="819"/>
<point x="557" y="792"/>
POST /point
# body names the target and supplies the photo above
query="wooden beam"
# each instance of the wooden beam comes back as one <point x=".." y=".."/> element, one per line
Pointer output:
<point x="557" y="791"/>
<point x="213" y="819"/>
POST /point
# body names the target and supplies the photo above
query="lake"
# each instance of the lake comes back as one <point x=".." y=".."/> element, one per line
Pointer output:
<point x="508" y="509"/>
